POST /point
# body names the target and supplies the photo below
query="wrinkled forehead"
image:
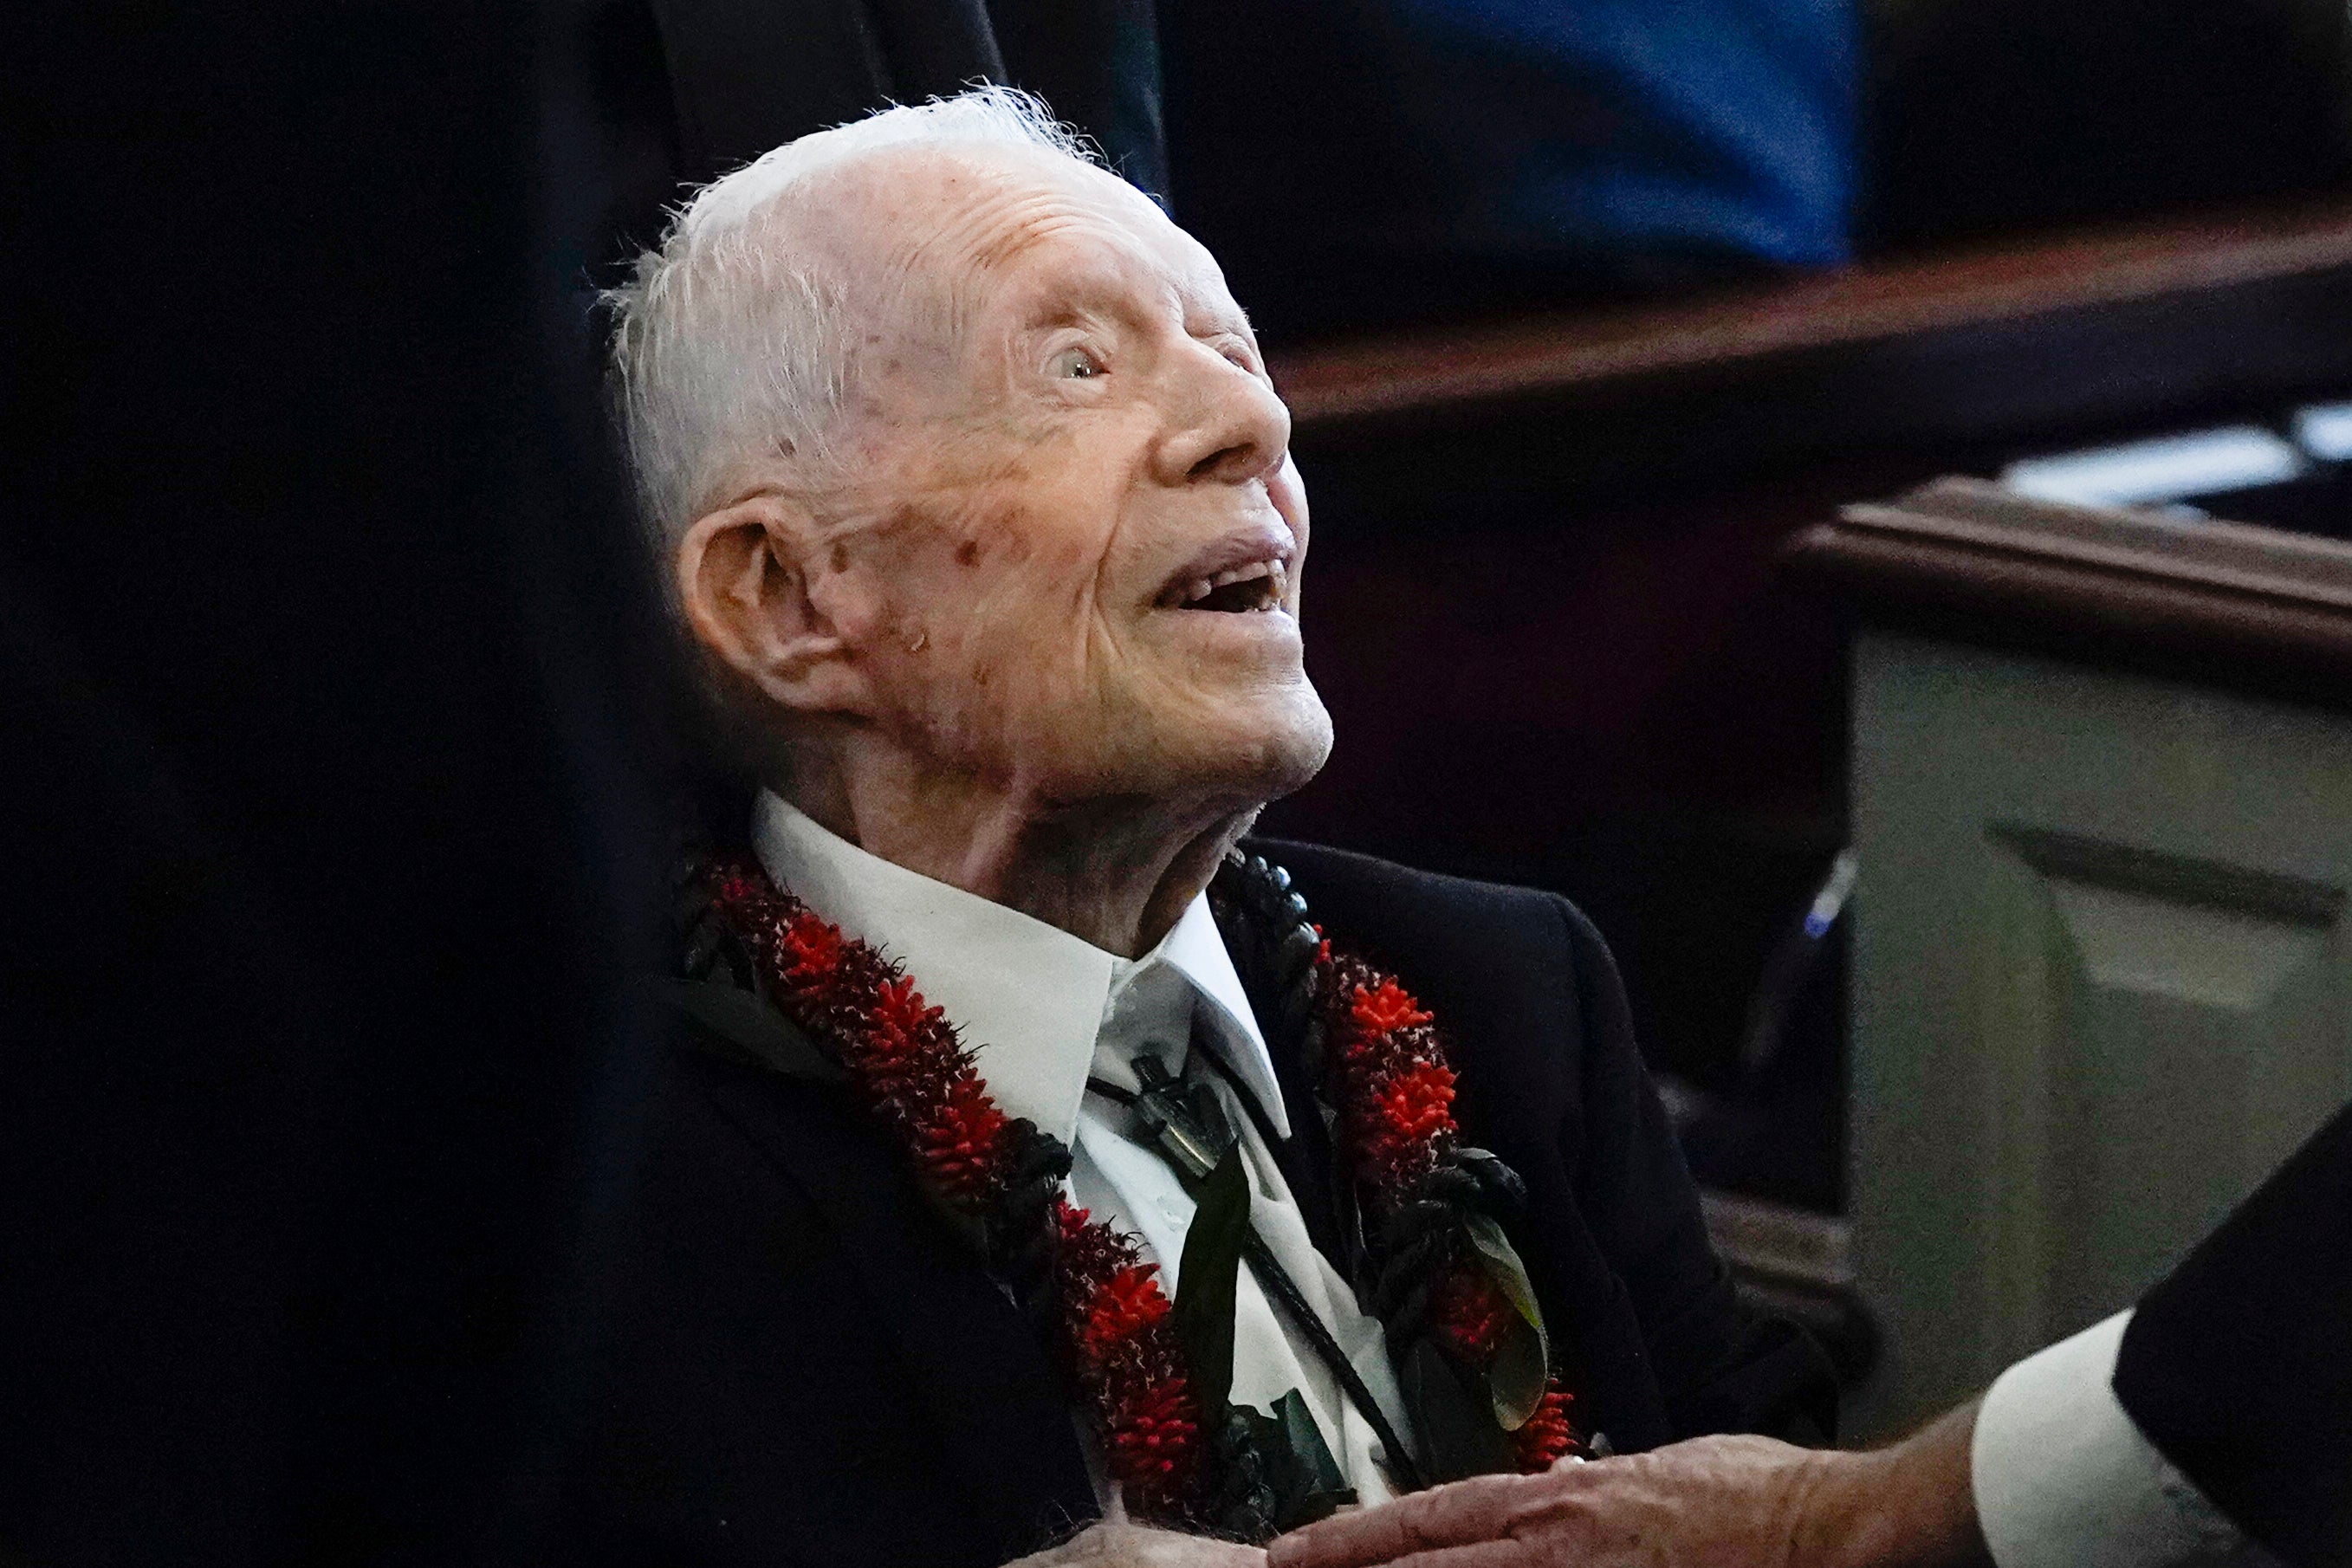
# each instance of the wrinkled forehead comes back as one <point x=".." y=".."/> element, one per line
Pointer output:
<point x="1001" y="231"/>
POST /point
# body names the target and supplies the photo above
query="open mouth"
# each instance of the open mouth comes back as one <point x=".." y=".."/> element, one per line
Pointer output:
<point x="1252" y="587"/>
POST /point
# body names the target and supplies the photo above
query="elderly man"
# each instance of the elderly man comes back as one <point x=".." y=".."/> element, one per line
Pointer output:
<point x="977" y="508"/>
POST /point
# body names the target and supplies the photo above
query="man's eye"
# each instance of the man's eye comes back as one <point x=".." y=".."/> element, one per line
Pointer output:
<point x="1075" y="364"/>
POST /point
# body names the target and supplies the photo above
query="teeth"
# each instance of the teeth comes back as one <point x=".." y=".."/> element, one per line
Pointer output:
<point x="1276" y="575"/>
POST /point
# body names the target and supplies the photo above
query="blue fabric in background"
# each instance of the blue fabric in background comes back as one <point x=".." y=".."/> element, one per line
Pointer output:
<point x="1359" y="161"/>
<point x="1724" y="124"/>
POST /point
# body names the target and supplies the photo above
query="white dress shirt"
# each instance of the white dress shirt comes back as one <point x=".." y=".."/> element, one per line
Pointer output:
<point x="2064" y="1480"/>
<point x="1041" y="1010"/>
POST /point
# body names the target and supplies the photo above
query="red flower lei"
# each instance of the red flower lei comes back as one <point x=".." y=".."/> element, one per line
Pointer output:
<point x="1394" y="1090"/>
<point x="905" y="1062"/>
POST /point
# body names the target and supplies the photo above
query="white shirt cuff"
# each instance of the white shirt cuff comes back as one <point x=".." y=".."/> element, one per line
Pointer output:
<point x="2064" y="1480"/>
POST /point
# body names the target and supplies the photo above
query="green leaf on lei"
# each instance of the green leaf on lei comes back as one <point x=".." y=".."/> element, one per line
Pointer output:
<point x="1205" y="1280"/>
<point x="1522" y="1365"/>
<point x="1307" y="1482"/>
<point x="1306" y="1441"/>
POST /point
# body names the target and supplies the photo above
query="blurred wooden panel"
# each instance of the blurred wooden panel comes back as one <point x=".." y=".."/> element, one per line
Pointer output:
<point x="2102" y="982"/>
<point x="2256" y="607"/>
<point x="2102" y="976"/>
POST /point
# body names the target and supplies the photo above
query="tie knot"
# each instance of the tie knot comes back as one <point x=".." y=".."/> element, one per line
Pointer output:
<point x="1183" y="1116"/>
<point x="1150" y="1015"/>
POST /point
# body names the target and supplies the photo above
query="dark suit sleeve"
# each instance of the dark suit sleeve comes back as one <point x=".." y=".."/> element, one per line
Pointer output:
<point x="2237" y="1365"/>
<point x="1721" y="1367"/>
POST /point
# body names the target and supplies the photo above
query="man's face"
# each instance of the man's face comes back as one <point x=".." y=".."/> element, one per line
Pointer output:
<point x="1073" y="522"/>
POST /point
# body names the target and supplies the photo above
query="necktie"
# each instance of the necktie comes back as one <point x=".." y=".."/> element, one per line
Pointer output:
<point x="1186" y="1121"/>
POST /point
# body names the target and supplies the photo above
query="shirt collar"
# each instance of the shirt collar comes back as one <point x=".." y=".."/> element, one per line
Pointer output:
<point x="1029" y="999"/>
<point x="1196" y="949"/>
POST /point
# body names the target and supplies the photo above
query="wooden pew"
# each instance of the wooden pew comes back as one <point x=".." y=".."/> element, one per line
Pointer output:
<point x="2102" y="788"/>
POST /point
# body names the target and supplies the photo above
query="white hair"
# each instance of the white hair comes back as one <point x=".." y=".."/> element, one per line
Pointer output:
<point x="727" y="345"/>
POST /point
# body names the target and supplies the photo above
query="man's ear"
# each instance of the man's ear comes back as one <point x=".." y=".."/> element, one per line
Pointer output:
<point x="743" y="580"/>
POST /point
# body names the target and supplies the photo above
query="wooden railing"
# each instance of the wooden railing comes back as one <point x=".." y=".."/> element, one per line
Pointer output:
<point x="1449" y="368"/>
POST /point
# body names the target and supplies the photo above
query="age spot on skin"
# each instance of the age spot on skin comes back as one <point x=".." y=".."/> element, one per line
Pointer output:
<point x="908" y="519"/>
<point x="840" y="556"/>
<point x="968" y="552"/>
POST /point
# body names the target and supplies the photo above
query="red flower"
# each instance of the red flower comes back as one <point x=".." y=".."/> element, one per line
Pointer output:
<point x="899" y="1014"/>
<point x="1413" y="1106"/>
<point x="1089" y="1252"/>
<point x="1124" y="1348"/>
<point x="1548" y="1435"/>
<point x="1385" y="1010"/>
<point x="811" y="950"/>
<point x="959" y="1144"/>
<point x="1392" y="1084"/>
<point x="1125" y="1305"/>
<point x="1151" y="1446"/>
<point x="1469" y="1311"/>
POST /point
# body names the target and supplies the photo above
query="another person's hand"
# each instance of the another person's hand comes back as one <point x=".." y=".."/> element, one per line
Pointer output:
<point x="1712" y="1502"/>
<point x="1736" y="1502"/>
<point x="1133" y="1546"/>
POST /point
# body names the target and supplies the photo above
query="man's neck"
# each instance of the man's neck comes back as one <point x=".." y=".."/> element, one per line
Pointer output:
<point x="1115" y="873"/>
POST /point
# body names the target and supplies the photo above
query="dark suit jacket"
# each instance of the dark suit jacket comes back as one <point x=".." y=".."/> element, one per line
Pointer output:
<point x="799" y="1365"/>
<point x="2237" y="1366"/>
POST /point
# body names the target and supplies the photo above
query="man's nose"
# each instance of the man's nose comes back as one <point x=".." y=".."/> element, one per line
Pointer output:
<point x="1231" y="427"/>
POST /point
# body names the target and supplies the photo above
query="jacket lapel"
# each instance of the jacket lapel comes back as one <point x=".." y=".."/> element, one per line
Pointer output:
<point x="1305" y="1157"/>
